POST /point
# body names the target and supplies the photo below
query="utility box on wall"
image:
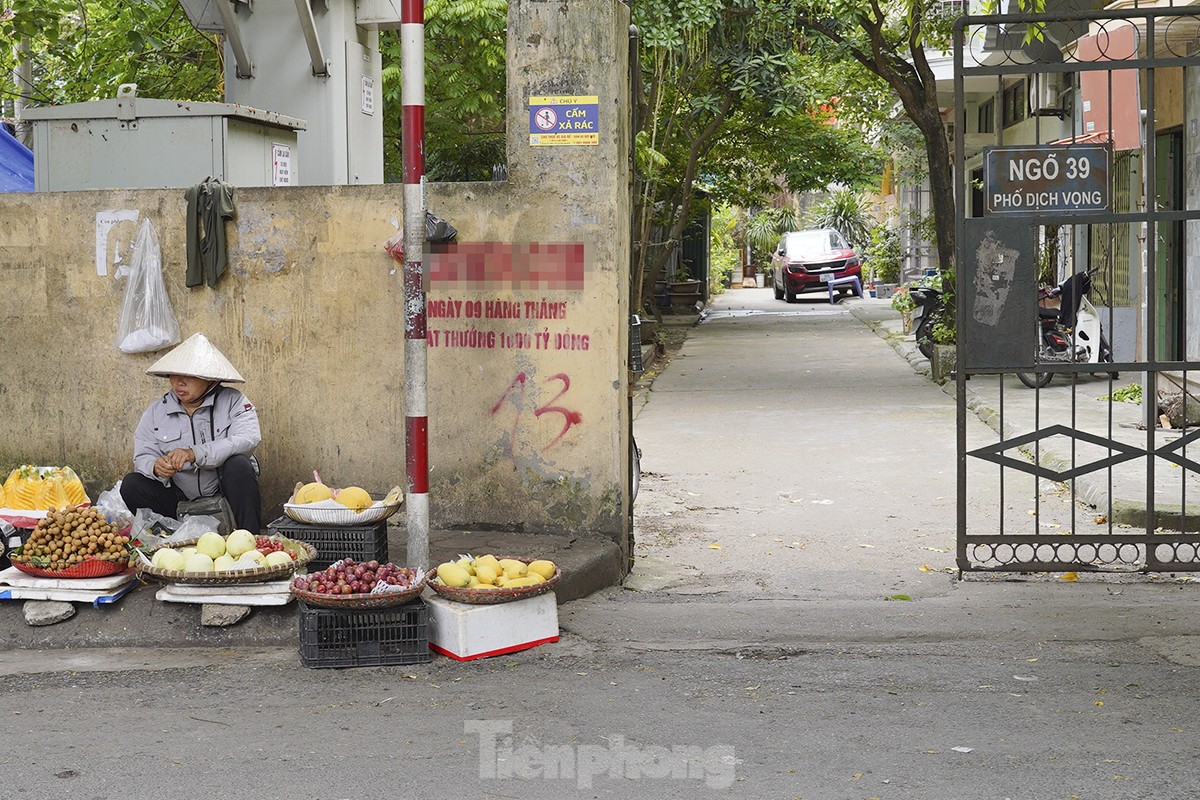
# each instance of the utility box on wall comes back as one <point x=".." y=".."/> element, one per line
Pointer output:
<point x="143" y="143"/>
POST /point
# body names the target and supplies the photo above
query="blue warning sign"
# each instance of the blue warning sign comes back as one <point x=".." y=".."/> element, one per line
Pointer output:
<point x="564" y="119"/>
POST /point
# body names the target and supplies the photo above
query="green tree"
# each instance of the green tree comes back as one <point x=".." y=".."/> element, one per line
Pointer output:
<point x="889" y="41"/>
<point x="465" y="91"/>
<point x="847" y="211"/>
<point x="733" y="102"/>
<point x="80" y="51"/>
<point x="724" y="252"/>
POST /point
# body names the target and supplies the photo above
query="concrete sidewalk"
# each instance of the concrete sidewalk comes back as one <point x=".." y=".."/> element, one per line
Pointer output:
<point x="1011" y="409"/>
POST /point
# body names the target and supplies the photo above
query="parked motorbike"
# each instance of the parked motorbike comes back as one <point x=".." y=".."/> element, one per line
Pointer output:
<point x="928" y="312"/>
<point x="1069" y="329"/>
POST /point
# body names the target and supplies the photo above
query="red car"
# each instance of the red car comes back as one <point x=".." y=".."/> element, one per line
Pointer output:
<point x="806" y="261"/>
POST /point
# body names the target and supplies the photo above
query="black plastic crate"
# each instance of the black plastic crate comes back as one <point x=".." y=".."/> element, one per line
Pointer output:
<point x="335" y="542"/>
<point x="365" y="638"/>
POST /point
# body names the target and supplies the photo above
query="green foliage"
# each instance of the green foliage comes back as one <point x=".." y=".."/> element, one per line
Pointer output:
<point x="764" y="228"/>
<point x="902" y="301"/>
<point x="1126" y="394"/>
<point x="882" y="253"/>
<point x="845" y="210"/>
<point x="465" y="91"/>
<point x="733" y="99"/>
<point x="81" y="51"/>
<point x="943" y="332"/>
<point x="724" y="254"/>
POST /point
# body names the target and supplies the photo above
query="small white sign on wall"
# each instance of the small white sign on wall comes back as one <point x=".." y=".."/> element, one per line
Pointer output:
<point x="105" y="220"/>
<point x="368" y="95"/>
<point x="281" y="165"/>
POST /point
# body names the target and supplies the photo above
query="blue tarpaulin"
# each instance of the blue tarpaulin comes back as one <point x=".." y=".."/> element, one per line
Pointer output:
<point x="16" y="164"/>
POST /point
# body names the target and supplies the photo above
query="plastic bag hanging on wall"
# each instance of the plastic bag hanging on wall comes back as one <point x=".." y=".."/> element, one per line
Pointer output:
<point x="147" y="321"/>
<point x="438" y="231"/>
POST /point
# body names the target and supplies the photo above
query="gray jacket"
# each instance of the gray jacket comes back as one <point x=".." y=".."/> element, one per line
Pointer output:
<point x="224" y="425"/>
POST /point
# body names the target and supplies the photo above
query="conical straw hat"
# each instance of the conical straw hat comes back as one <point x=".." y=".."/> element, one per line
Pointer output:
<point x="196" y="357"/>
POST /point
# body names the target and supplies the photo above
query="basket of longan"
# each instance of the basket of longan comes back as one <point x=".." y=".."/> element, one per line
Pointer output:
<point x="73" y="543"/>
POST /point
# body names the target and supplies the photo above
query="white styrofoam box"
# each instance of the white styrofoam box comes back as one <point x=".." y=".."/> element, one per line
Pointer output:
<point x="467" y="632"/>
<point x="23" y="580"/>
<point x="272" y="593"/>
<point x="17" y="585"/>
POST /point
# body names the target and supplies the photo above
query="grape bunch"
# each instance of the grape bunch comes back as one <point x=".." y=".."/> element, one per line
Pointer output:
<point x="266" y="545"/>
<point x="350" y="577"/>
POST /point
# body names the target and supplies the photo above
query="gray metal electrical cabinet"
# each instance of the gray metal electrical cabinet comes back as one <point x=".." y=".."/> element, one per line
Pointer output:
<point x="143" y="143"/>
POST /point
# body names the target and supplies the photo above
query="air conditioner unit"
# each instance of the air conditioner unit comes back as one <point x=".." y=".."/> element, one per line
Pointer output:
<point x="1046" y="96"/>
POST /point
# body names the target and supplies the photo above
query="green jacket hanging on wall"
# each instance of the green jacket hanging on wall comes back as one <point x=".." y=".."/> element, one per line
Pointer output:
<point x="209" y="204"/>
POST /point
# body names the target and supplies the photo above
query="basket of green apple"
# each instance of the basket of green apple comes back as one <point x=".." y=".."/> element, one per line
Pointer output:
<point x="215" y="560"/>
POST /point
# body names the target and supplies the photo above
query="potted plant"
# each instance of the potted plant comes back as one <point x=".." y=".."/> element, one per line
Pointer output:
<point x="883" y="255"/>
<point x="903" y="302"/>
<point x="945" y="350"/>
<point x="684" y="290"/>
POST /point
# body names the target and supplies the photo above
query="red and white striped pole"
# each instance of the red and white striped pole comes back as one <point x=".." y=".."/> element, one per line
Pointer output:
<point x="416" y="422"/>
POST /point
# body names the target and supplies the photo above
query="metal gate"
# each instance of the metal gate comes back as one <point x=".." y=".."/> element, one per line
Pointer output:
<point x="1077" y="151"/>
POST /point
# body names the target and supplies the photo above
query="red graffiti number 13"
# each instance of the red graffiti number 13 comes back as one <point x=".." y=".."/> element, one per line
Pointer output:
<point x="516" y="393"/>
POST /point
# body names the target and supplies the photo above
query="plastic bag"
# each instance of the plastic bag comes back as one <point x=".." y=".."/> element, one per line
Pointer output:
<point x="438" y="231"/>
<point x="150" y="528"/>
<point x="152" y="531"/>
<point x="147" y="321"/>
<point x="193" y="527"/>
<point x="112" y="506"/>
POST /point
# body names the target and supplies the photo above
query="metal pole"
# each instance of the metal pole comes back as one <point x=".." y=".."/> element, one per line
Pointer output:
<point x="416" y="421"/>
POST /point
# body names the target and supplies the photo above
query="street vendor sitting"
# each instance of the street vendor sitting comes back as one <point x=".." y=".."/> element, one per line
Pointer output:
<point x="198" y="439"/>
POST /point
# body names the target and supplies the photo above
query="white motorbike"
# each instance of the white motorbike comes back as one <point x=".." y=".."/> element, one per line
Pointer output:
<point x="1068" y="329"/>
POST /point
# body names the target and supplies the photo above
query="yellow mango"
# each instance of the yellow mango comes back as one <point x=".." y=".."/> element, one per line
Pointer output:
<point x="489" y="561"/>
<point x="452" y="574"/>
<point x="467" y="564"/>
<point x="517" y="583"/>
<point x="533" y="576"/>
<point x="543" y="568"/>
<point x="486" y="573"/>
<point x="513" y="568"/>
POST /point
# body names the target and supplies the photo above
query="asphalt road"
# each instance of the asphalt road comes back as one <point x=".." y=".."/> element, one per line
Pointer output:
<point x="790" y="631"/>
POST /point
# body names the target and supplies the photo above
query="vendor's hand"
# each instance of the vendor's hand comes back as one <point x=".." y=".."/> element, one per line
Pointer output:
<point x="180" y="457"/>
<point x="163" y="468"/>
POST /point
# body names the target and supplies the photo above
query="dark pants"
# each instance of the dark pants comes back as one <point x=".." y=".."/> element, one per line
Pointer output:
<point x="239" y="485"/>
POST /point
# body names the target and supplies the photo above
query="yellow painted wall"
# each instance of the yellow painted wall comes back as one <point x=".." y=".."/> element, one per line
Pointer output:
<point x="311" y="313"/>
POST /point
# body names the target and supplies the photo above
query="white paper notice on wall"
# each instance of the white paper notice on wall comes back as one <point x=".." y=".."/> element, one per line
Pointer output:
<point x="105" y="220"/>
<point x="368" y="95"/>
<point x="281" y="165"/>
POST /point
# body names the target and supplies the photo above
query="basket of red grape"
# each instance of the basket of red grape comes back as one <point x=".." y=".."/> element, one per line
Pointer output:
<point x="352" y="584"/>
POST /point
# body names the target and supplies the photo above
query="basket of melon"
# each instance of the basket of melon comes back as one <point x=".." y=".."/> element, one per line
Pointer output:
<point x="316" y="503"/>
<point x="215" y="560"/>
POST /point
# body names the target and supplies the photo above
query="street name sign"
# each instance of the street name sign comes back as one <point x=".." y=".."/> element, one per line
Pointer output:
<point x="1046" y="179"/>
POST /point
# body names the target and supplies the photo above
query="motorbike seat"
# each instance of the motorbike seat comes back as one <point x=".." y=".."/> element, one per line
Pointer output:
<point x="1048" y="313"/>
